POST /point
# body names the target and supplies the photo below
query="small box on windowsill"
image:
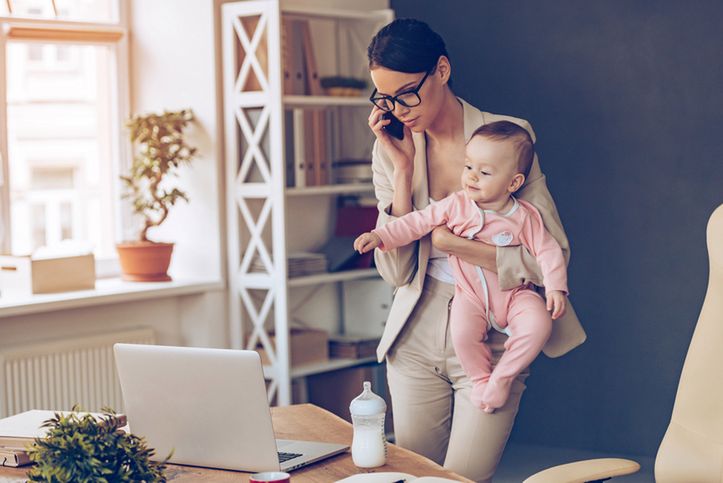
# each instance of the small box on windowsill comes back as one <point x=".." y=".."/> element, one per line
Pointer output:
<point x="25" y="275"/>
<point x="306" y="346"/>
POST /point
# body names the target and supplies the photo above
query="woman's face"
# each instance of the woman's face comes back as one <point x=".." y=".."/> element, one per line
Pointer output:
<point x="391" y="83"/>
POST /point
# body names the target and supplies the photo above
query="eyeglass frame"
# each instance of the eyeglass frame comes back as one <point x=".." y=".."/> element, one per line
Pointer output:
<point x="395" y="99"/>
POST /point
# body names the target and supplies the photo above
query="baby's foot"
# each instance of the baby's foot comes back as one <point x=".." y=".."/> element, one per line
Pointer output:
<point x="475" y="396"/>
<point x="496" y="394"/>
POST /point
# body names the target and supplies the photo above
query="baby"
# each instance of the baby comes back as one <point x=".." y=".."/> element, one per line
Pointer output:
<point x="498" y="158"/>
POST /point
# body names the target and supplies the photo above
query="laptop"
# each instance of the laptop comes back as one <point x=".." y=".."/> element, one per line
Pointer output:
<point x="208" y="406"/>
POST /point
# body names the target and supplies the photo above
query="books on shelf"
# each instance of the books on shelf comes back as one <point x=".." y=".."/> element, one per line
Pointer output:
<point x="311" y="148"/>
<point x="301" y="76"/>
<point x="298" y="264"/>
<point x="313" y="82"/>
<point x="310" y="127"/>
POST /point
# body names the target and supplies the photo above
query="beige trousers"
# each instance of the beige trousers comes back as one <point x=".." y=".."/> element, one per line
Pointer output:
<point x="430" y="392"/>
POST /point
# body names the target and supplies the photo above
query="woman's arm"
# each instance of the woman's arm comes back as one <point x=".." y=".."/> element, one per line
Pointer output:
<point x="397" y="267"/>
<point x="517" y="264"/>
<point x="471" y="251"/>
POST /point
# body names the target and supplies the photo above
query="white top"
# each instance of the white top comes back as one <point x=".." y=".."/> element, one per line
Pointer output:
<point x="438" y="266"/>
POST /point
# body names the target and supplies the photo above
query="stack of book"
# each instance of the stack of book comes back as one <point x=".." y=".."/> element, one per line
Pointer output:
<point x="298" y="264"/>
<point x="304" y="263"/>
<point x="18" y="432"/>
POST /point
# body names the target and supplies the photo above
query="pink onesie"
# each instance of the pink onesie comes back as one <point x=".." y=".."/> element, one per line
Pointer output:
<point x="478" y="303"/>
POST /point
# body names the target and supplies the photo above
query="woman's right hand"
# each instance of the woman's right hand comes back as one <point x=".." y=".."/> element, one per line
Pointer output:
<point x="400" y="152"/>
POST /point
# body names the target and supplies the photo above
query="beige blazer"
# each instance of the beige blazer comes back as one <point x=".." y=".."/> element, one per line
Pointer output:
<point x="406" y="266"/>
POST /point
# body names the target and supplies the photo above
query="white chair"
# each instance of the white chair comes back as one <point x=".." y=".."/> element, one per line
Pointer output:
<point x="692" y="448"/>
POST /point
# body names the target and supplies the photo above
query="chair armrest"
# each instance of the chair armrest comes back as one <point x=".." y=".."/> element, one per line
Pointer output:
<point x="586" y="470"/>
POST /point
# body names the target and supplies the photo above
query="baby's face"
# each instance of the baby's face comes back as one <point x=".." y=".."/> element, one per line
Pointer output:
<point x="489" y="169"/>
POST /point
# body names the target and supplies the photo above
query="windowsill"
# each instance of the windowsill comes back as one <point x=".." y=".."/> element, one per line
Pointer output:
<point x="107" y="291"/>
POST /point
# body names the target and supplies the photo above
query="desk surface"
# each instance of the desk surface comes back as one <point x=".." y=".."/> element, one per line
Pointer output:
<point x="303" y="421"/>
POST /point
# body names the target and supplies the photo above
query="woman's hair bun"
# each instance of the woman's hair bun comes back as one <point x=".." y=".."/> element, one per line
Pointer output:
<point x="406" y="45"/>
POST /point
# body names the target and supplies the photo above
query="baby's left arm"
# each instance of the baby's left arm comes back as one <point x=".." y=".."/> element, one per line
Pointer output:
<point x="546" y="250"/>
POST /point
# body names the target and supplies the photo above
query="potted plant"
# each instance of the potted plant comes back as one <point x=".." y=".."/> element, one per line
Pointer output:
<point x="84" y="449"/>
<point x="160" y="150"/>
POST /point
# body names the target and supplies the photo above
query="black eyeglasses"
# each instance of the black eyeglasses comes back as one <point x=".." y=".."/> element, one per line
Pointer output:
<point x="408" y="98"/>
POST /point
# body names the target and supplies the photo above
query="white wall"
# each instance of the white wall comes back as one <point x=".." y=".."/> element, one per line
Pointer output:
<point x="173" y="67"/>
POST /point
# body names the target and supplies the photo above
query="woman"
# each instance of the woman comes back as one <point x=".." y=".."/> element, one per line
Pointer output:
<point x="433" y="416"/>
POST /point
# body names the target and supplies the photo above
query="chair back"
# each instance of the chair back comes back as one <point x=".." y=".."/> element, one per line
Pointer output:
<point x="692" y="448"/>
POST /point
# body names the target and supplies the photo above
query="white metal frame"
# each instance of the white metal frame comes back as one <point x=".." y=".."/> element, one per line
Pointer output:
<point x="271" y="190"/>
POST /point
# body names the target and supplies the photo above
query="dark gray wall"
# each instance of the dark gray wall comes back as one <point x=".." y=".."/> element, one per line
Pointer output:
<point x="626" y="98"/>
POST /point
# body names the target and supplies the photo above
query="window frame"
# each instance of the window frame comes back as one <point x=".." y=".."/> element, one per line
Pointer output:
<point x="43" y="30"/>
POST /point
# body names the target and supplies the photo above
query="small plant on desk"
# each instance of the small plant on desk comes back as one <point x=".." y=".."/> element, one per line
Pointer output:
<point x="83" y="449"/>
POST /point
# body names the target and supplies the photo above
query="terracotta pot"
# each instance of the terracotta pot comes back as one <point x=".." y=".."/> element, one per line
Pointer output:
<point x="145" y="261"/>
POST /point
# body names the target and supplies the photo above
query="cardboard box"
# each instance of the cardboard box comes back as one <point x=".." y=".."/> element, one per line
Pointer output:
<point x="25" y="275"/>
<point x="353" y="346"/>
<point x="335" y="390"/>
<point x="306" y="346"/>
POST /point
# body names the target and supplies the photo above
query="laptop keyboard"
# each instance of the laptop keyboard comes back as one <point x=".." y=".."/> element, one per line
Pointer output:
<point x="283" y="457"/>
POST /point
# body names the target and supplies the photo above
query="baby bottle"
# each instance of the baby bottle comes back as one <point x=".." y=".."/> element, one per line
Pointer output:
<point x="369" y="447"/>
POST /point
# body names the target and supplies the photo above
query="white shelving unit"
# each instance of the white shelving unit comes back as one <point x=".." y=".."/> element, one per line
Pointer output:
<point x="325" y="101"/>
<point x="260" y="206"/>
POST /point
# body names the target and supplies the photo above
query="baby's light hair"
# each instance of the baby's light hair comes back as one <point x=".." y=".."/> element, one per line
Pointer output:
<point x="503" y="130"/>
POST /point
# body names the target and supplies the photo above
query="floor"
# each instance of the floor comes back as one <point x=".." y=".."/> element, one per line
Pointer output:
<point x="521" y="461"/>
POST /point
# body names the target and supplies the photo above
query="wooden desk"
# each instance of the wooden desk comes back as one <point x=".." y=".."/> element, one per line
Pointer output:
<point x="303" y="421"/>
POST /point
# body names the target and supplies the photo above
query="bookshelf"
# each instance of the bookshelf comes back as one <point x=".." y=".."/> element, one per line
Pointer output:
<point x="274" y="208"/>
<point x="325" y="101"/>
<point x="333" y="189"/>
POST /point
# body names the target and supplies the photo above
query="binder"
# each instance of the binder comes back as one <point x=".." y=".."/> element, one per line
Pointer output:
<point x="313" y="83"/>
<point x="299" y="138"/>
<point x="287" y="82"/>
<point x="324" y="155"/>
<point x="309" y="148"/>
<point x="295" y="58"/>
<point x="318" y="141"/>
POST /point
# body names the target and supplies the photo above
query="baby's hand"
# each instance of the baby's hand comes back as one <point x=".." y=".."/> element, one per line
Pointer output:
<point x="556" y="302"/>
<point x="366" y="242"/>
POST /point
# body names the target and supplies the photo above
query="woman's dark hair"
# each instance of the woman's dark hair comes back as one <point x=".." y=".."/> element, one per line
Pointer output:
<point x="406" y="45"/>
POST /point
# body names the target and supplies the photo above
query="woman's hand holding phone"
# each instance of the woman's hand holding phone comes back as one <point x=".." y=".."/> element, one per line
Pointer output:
<point x="400" y="152"/>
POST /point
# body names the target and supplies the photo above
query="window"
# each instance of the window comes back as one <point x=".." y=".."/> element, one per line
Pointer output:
<point x="61" y="109"/>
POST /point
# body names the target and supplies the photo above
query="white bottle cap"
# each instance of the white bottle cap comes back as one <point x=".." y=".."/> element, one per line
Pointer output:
<point x="367" y="403"/>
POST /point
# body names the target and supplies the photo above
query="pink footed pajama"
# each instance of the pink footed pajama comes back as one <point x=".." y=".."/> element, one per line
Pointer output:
<point x="479" y="304"/>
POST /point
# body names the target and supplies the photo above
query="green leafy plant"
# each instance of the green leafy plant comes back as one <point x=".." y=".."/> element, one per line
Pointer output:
<point x="80" y="448"/>
<point x="161" y="150"/>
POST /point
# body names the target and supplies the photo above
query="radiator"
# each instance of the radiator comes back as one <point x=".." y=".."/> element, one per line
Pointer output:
<point x="58" y="374"/>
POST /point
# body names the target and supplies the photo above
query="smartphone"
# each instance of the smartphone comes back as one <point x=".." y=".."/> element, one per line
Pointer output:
<point x="394" y="128"/>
